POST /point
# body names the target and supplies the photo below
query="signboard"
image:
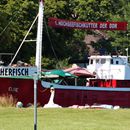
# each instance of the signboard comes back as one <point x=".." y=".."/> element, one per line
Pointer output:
<point x="17" y="71"/>
<point x="61" y="23"/>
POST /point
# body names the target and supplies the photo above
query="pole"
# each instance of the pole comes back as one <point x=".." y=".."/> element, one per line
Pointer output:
<point x="127" y="52"/>
<point x="39" y="37"/>
<point x="75" y="81"/>
<point x="35" y="101"/>
<point x="38" y="58"/>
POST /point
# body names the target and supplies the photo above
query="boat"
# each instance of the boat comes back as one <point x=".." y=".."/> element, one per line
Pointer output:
<point x="110" y="84"/>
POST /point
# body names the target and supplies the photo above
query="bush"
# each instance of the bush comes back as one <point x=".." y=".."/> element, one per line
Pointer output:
<point x="7" y="101"/>
<point x="47" y="63"/>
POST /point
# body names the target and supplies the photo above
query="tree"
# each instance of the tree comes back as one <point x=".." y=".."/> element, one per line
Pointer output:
<point x="72" y="40"/>
<point x="60" y="43"/>
<point x="120" y="39"/>
<point x="19" y="16"/>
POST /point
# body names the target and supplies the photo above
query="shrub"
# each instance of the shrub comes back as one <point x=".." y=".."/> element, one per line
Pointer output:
<point x="7" y="101"/>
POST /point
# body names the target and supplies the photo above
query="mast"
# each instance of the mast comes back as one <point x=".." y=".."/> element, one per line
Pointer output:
<point x="39" y="37"/>
<point x="38" y="58"/>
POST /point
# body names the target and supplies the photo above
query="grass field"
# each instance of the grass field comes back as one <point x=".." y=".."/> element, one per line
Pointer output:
<point x="65" y="119"/>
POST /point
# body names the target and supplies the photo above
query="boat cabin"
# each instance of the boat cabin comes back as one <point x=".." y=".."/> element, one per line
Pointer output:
<point x="109" y="67"/>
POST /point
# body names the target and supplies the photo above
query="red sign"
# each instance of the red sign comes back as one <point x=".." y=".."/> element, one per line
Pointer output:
<point x="61" y="23"/>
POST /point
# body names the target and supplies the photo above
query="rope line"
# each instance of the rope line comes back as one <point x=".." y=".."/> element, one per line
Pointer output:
<point x="23" y="40"/>
<point x="51" y="43"/>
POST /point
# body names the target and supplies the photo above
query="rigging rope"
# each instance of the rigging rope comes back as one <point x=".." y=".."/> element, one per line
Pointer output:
<point x="5" y="28"/>
<point x="11" y="19"/>
<point x="23" y="40"/>
<point x="16" y="15"/>
<point x="51" y="43"/>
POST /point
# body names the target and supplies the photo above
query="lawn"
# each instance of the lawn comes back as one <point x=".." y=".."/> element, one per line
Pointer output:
<point x="65" y="119"/>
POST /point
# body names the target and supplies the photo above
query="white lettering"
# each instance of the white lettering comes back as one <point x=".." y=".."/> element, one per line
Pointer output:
<point x="13" y="89"/>
<point x="76" y="24"/>
<point x="103" y="25"/>
<point x="113" y="25"/>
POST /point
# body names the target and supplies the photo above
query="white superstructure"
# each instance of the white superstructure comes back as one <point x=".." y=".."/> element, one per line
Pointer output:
<point x="109" y="67"/>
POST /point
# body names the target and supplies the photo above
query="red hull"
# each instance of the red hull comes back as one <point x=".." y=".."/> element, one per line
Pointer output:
<point x="81" y="97"/>
<point x="23" y="90"/>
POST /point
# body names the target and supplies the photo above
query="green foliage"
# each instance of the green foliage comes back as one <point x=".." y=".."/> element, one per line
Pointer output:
<point x="47" y="63"/>
<point x="32" y="61"/>
<point x="19" y="16"/>
<point x="120" y="39"/>
<point x="62" y="63"/>
<point x="16" y="16"/>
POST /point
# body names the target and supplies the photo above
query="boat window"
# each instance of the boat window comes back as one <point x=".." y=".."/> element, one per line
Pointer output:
<point x="103" y="61"/>
<point x="117" y="62"/>
<point x="97" y="61"/>
<point x="91" y="61"/>
<point x="111" y="61"/>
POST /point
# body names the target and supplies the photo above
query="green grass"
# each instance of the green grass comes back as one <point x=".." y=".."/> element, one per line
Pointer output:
<point x="65" y="119"/>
